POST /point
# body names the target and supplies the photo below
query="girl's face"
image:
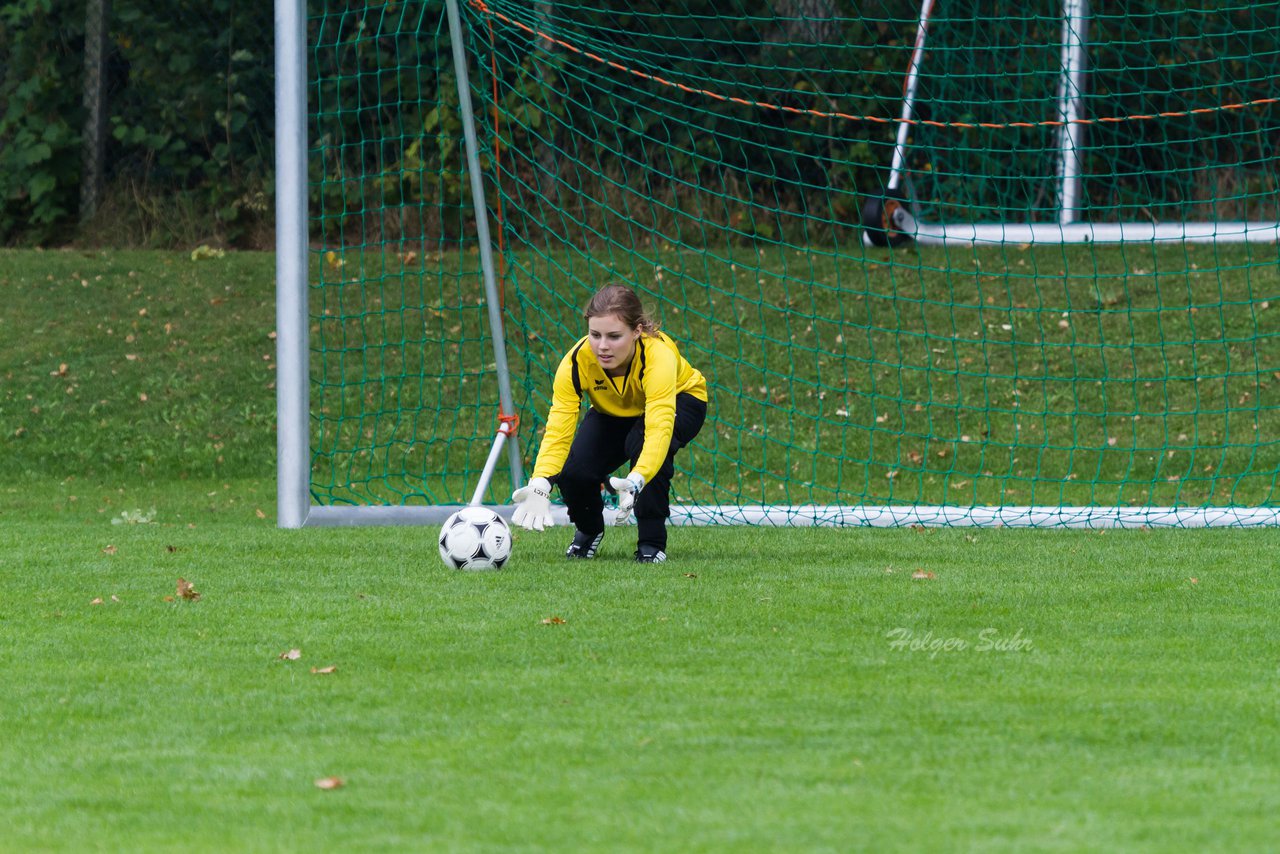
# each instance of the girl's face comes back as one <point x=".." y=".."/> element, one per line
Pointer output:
<point x="612" y="341"/>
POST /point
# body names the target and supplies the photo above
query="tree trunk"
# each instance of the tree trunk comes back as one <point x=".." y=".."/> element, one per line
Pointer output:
<point x="97" y="14"/>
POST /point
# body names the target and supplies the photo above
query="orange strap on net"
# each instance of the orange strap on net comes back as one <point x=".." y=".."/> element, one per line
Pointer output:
<point x="511" y="422"/>
<point x="484" y="9"/>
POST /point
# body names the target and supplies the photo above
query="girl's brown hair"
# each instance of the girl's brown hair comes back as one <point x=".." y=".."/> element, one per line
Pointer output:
<point x="622" y="302"/>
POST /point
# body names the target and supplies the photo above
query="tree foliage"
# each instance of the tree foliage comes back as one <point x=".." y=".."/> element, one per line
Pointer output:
<point x="40" y="116"/>
<point x="189" y="106"/>
<point x="191" y="115"/>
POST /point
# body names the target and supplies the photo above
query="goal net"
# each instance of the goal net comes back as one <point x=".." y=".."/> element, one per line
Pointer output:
<point x="938" y="267"/>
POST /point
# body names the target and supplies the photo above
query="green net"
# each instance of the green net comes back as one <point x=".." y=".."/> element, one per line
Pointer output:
<point x="735" y="163"/>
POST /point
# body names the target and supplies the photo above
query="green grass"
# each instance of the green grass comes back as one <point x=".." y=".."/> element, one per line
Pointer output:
<point x="747" y="695"/>
<point x="136" y="365"/>
<point x="716" y="702"/>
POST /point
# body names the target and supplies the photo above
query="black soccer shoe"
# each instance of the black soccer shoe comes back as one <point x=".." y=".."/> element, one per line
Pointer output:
<point x="584" y="546"/>
<point x="650" y="554"/>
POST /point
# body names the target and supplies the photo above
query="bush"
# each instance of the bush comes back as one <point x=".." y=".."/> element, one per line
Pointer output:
<point x="190" y="115"/>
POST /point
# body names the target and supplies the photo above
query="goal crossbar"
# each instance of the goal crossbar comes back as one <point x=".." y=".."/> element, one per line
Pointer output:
<point x="1052" y="233"/>
<point x="857" y="516"/>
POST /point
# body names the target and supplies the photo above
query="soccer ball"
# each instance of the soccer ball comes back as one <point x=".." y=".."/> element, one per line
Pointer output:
<point x="475" y="538"/>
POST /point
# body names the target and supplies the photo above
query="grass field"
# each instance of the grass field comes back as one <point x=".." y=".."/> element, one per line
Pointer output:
<point x="836" y="690"/>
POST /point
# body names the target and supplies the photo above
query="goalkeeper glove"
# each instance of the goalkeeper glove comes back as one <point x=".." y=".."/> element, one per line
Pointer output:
<point x="533" y="505"/>
<point x="628" y="488"/>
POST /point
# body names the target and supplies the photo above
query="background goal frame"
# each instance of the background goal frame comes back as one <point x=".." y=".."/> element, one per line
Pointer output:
<point x="883" y="217"/>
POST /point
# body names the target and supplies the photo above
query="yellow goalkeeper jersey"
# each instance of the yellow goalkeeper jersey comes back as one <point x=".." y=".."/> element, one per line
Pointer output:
<point x="656" y="375"/>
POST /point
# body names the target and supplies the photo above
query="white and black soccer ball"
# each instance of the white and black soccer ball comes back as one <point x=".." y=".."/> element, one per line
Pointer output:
<point x="475" y="538"/>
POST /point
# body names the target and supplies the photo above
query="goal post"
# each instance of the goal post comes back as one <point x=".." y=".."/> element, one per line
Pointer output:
<point x="293" y="449"/>
<point x="295" y="509"/>
<point x="938" y="268"/>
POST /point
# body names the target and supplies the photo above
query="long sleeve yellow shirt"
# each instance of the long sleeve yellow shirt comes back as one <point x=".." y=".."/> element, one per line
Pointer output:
<point x="656" y="375"/>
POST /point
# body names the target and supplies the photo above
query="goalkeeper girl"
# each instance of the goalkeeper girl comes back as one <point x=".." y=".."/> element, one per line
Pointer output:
<point x="647" y="402"/>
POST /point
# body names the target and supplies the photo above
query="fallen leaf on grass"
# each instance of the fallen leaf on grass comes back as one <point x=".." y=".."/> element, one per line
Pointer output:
<point x="691" y="575"/>
<point x="187" y="591"/>
<point x="134" y="517"/>
<point x="330" y="783"/>
<point x="1194" y="580"/>
<point x="921" y="574"/>
<point x="204" y="253"/>
<point x="97" y="601"/>
<point x="553" y="621"/>
<point x="109" y="550"/>
<point x="291" y="655"/>
<point x="325" y="671"/>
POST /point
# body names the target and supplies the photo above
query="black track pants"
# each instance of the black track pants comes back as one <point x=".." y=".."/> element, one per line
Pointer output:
<point x="600" y="447"/>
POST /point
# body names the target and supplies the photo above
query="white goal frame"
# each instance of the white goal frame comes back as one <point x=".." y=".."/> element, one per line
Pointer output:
<point x="294" y="507"/>
<point x="1068" y="229"/>
<point x="293" y="445"/>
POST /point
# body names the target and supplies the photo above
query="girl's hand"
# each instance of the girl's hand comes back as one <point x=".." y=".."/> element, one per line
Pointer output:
<point x="533" y="505"/>
<point x="628" y="488"/>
